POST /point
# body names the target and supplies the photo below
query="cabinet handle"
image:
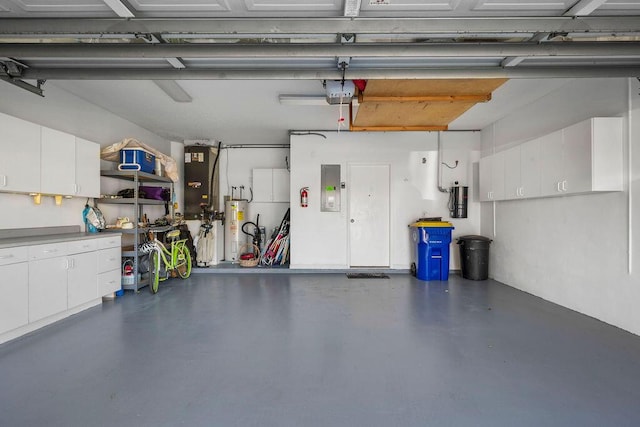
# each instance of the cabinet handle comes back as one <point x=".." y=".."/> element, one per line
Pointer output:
<point x="112" y="282"/>
<point x="490" y="195"/>
<point x="67" y="264"/>
<point x="4" y="180"/>
<point x="50" y="251"/>
<point x="564" y="185"/>
<point x="77" y="189"/>
<point x="6" y="256"/>
<point x="558" y="187"/>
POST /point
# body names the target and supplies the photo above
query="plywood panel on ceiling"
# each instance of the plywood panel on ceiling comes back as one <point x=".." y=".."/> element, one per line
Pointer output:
<point x="444" y="87"/>
<point x="409" y="114"/>
<point x="396" y="104"/>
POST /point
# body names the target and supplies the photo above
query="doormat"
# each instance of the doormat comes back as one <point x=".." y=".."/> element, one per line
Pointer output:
<point x="367" y="276"/>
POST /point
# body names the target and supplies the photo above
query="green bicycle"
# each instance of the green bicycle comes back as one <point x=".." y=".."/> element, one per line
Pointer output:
<point x="165" y="261"/>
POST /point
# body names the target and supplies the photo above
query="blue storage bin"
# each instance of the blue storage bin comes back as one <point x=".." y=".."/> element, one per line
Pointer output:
<point x="137" y="159"/>
<point x="432" y="251"/>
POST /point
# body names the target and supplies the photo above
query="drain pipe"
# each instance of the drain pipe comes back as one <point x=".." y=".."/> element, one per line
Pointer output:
<point x="440" y="187"/>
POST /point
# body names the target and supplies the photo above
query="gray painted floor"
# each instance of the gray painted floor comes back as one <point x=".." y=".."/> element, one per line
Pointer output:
<point x="323" y="350"/>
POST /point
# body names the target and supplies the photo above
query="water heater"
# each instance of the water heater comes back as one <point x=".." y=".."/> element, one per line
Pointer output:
<point x="458" y="200"/>
<point x="235" y="214"/>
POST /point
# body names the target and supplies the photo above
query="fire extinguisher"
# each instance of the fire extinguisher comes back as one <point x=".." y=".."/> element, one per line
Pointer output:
<point x="304" y="197"/>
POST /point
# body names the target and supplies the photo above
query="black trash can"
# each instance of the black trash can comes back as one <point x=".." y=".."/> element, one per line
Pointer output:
<point x="474" y="257"/>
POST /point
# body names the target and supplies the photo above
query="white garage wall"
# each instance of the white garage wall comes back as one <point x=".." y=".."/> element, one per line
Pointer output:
<point x="66" y="112"/>
<point x="236" y="165"/>
<point x="572" y="250"/>
<point x="320" y="239"/>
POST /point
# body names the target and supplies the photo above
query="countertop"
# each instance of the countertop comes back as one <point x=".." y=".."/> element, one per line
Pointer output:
<point x="11" y="242"/>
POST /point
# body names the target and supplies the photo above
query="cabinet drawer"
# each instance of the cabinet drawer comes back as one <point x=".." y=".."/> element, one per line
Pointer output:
<point x="47" y="251"/>
<point x="108" y="282"/>
<point x="81" y="246"/>
<point x="109" y="259"/>
<point x="13" y="255"/>
<point x="109" y="242"/>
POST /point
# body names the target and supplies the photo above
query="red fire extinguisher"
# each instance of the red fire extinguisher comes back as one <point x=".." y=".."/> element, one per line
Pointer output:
<point x="304" y="197"/>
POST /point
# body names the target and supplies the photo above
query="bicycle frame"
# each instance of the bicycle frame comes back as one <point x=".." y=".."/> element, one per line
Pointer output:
<point x="176" y="259"/>
<point x="169" y="258"/>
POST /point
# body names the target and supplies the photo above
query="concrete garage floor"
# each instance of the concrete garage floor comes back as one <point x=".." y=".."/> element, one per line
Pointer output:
<point x="323" y="350"/>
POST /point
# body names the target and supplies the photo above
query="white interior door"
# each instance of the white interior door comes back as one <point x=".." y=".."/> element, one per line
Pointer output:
<point x="369" y="215"/>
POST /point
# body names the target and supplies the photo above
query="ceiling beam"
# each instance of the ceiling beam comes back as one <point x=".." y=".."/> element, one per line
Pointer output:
<point x="334" y="74"/>
<point x="283" y="26"/>
<point x="310" y="50"/>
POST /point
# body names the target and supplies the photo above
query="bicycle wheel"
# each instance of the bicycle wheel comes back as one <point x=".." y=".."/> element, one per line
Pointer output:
<point x="154" y="272"/>
<point x="184" y="262"/>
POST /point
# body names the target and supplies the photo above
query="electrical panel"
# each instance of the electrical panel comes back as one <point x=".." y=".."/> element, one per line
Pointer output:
<point x="330" y="188"/>
<point x="198" y="167"/>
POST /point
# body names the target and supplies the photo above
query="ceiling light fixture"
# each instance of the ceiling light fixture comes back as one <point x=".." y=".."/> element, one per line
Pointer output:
<point x="119" y="8"/>
<point x="174" y="90"/>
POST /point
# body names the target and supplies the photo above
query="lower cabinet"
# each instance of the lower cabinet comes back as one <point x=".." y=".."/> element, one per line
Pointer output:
<point x="109" y="258"/>
<point x="45" y="283"/>
<point x="47" y="287"/>
<point x="14" y="304"/>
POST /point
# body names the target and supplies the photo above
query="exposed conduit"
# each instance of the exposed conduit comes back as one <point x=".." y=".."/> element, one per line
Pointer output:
<point x="630" y="174"/>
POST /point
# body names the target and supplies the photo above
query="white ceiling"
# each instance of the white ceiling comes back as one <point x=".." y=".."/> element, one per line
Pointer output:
<point x="247" y="110"/>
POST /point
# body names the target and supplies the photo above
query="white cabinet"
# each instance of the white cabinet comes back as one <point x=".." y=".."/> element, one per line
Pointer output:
<point x="109" y="258"/>
<point x="492" y="177"/>
<point x="37" y="159"/>
<point x="271" y="185"/>
<point x="14" y="288"/>
<point x="87" y="168"/>
<point x="551" y="162"/>
<point x="585" y="157"/>
<point x="522" y="170"/>
<point x="19" y="155"/>
<point x="70" y="165"/>
<point x="58" y="159"/>
<point x="47" y="281"/>
<point x="82" y="284"/>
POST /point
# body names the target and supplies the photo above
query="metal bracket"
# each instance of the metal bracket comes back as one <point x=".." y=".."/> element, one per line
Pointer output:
<point x="343" y="61"/>
<point x="11" y="72"/>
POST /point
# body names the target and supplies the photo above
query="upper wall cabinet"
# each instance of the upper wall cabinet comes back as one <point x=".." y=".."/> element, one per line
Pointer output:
<point x="591" y="158"/>
<point x="19" y="155"/>
<point x="492" y="175"/>
<point x="522" y="170"/>
<point x="58" y="158"/>
<point x="87" y="168"/>
<point x="585" y="157"/>
<point x="270" y="185"/>
<point x="37" y="159"/>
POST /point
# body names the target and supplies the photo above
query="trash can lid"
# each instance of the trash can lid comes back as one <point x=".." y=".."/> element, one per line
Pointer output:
<point x="474" y="238"/>
<point x="431" y="224"/>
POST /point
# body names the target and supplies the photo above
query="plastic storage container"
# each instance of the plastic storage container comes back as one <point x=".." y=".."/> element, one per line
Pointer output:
<point x="432" y="240"/>
<point x="137" y="159"/>
<point x="474" y="257"/>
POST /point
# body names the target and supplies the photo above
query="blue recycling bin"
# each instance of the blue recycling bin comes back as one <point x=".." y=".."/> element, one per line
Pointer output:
<point x="432" y="240"/>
